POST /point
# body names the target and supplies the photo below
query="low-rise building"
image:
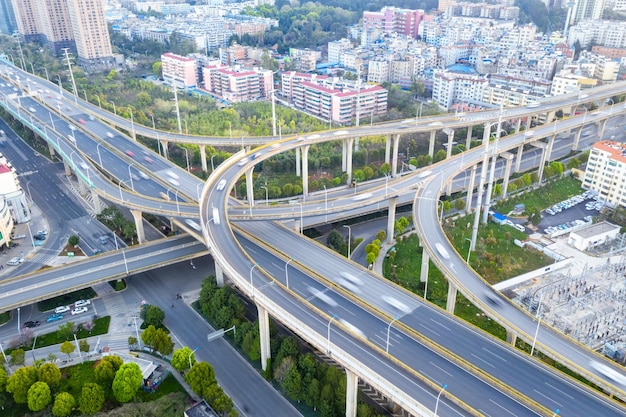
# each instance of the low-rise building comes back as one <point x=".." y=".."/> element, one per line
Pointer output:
<point x="594" y="235"/>
<point x="179" y="71"/>
<point x="237" y="85"/>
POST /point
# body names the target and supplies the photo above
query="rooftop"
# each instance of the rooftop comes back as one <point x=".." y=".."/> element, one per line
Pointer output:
<point x="615" y="149"/>
<point x="595" y="230"/>
<point x="201" y="409"/>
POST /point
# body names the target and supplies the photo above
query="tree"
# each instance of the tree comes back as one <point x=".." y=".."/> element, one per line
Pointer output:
<point x="446" y="206"/>
<point x="19" y="383"/>
<point x="73" y="240"/>
<point x="440" y="155"/>
<point x="106" y="369"/>
<point x="147" y="336"/>
<point x="459" y="204"/>
<point x="200" y="377"/>
<point x="370" y="258"/>
<point x="127" y="381"/>
<point x="381" y="235"/>
<point x="157" y="69"/>
<point x="83" y="346"/>
<point x="91" y="398"/>
<point x="63" y="405"/>
<point x="66" y="330"/>
<point x="181" y="358"/>
<point x="573" y="163"/>
<point x="68" y="348"/>
<point x="385" y="168"/>
<point x="162" y="342"/>
<point x="50" y="374"/>
<point x="3" y="379"/>
<point x="132" y="342"/>
<point x="39" y="396"/>
<point x="17" y="357"/>
<point x="153" y="315"/>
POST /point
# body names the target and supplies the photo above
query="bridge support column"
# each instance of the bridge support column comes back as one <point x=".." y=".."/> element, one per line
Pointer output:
<point x="391" y="218"/>
<point x="470" y="188"/>
<point x="601" y="126"/>
<point x="394" y="161"/>
<point x="297" y="162"/>
<point x="468" y="138"/>
<point x="542" y="160"/>
<point x="264" y="332"/>
<point x="387" y="149"/>
<point x="219" y="275"/>
<point x="577" y="136"/>
<point x="250" y="186"/>
<point x="82" y="187"/>
<point x="352" y="393"/>
<point x="511" y="337"/>
<point x="349" y="143"/>
<point x="451" y="302"/>
<point x="164" y="145"/>
<point x="344" y="156"/>
<point x="481" y="185"/>
<point x="450" y="133"/>
<point x="203" y="158"/>
<point x="97" y="203"/>
<point x="518" y="159"/>
<point x="424" y="269"/>
<point x="431" y="144"/>
<point x="518" y="125"/>
<point x="550" y="117"/>
<point x="137" y="216"/>
<point x="507" y="172"/>
<point x="51" y="149"/>
<point x="305" y="170"/>
<point x="68" y="169"/>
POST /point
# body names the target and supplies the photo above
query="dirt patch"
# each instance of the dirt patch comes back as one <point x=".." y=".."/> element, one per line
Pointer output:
<point x="77" y="251"/>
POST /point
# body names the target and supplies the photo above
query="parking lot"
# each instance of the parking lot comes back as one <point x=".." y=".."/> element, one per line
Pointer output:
<point x="577" y="211"/>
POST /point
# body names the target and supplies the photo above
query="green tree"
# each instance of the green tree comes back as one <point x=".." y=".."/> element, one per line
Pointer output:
<point x="573" y="163"/>
<point x="91" y="398"/>
<point x="157" y="69"/>
<point x="132" y="342"/>
<point x="368" y="173"/>
<point x="3" y="379"/>
<point x="50" y="374"/>
<point x="385" y="168"/>
<point x="127" y="381"/>
<point x="181" y="359"/>
<point x="381" y="235"/>
<point x="39" y="396"/>
<point x="440" y="155"/>
<point x="73" y="240"/>
<point x="19" y="383"/>
<point x="66" y="330"/>
<point x="200" y="377"/>
<point x="459" y="204"/>
<point x="446" y="206"/>
<point x="83" y="345"/>
<point x="104" y="372"/>
<point x="68" y="348"/>
<point x="63" y="405"/>
<point x="162" y="342"/>
<point x="17" y="357"/>
<point x="153" y="315"/>
<point x="423" y="160"/>
<point x="147" y="336"/>
<point x="370" y="258"/>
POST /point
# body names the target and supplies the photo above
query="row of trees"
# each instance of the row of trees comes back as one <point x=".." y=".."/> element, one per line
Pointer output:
<point x="301" y="375"/>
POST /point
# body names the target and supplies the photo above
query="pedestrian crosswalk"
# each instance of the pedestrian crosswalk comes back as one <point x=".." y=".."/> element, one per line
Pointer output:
<point x="122" y="324"/>
<point x="86" y="199"/>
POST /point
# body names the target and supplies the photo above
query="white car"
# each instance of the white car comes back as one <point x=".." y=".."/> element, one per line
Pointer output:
<point x="82" y="303"/>
<point x="15" y="261"/>
<point x="79" y="310"/>
<point x="62" y="309"/>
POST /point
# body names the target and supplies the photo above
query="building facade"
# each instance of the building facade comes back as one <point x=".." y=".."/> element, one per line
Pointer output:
<point x="392" y="20"/>
<point x="179" y="71"/>
<point x="237" y="85"/>
<point x="606" y="172"/>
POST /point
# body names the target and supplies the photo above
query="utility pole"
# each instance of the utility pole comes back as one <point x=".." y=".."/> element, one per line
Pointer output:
<point x="180" y="128"/>
<point x="69" y="66"/>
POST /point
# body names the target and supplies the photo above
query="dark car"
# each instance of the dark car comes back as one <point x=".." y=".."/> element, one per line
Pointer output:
<point x="31" y="324"/>
<point x="39" y="237"/>
<point x="15" y="244"/>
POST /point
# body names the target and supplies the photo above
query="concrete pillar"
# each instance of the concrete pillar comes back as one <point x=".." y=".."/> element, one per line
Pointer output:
<point x="68" y="169"/>
<point x="391" y="218"/>
<point x="250" y="186"/>
<point x="394" y="161"/>
<point x="352" y="393"/>
<point x="264" y="332"/>
<point x="468" y="138"/>
<point x="82" y="187"/>
<point x="601" y="126"/>
<point x="305" y="170"/>
<point x="518" y="159"/>
<point x="518" y="125"/>
<point x="344" y="156"/>
<point x="349" y="143"/>
<point x="577" y="135"/>
<point x="387" y="149"/>
<point x="424" y="269"/>
<point x="551" y="140"/>
<point x="511" y="337"/>
<point x="203" y="158"/>
<point x="51" y="149"/>
<point x="507" y="171"/>
<point x="164" y="145"/>
<point x="542" y="160"/>
<point x="470" y="188"/>
<point x="97" y="204"/>
<point x="451" y="302"/>
<point x="481" y="185"/>
<point x="450" y="133"/>
<point x="297" y="162"/>
<point x="431" y="144"/>
<point x="137" y="216"/>
<point x="219" y="275"/>
<point x="550" y="117"/>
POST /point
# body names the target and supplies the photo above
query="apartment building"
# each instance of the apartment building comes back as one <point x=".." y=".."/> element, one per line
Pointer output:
<point x="91" y="33"/>
<point x="458" y="83"/>
<point x="336" y="49"/>
<point x="13" y="203"/>
<point x="606" y="172"/>
<point x="237" y="85"/>
<point x="393" y="20"/>
<point x="179" y="71"/>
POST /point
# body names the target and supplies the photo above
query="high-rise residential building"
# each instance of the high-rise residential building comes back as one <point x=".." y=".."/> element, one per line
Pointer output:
<point x="606" y="172"/>
<point x="179" y="71"/>
<point x="8" y="25"/>
<point x="392" y="20"/>
<point x="586" y="10"/>
<point x="74" y="24"/>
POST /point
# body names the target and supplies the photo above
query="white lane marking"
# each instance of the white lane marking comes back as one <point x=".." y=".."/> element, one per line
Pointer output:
<point x="493" y="354"/>
<point x="430" y="329"/>
<point x="560" y="391"/>
<point x="501" y="407"/>
<point x="548" y="398"/>
<point x="441" y="369"/>
<point x="440" y="324"/>
<point x="484" y="361"/>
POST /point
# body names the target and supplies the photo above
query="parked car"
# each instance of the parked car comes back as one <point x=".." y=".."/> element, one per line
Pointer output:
<point x="32" y="323"/>
<point x="54" y="317"/>
<point x="82" y="303"/>
<point x="39" y="237"/>
<point x="79" y="310"/>
<point x="15" y="261"/>
<point x="62" y="309"/>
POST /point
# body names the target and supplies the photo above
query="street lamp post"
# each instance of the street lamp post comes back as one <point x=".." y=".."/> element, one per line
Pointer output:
<point x="325" y="204"/>
<point x="30" y="232"/>
<point x="198" y="189"/>
<point x="130" y="175"/>
<point x="532" y="349"/>
<point x="191" y="354"/>
<point x="46" y="70"/>
<point x="30" y="196"/>
<point x="60" y="84"/>
<point x="469" y="250"/>
<point x="328" y="336"/>
<point x="187" y="156"/>
<point x="153" y="125"/>
<point x="251" y="285"/>
<point x="125" y="262"/>
<point x="230" y="129"/>
<point x="99" y="103"/>
<point x="34" y="343"/>
<point x="85" y="93"/>
<point x="388" y="332"/>
<point x="114" y="108"/>
<point x="349" y="238"/>
<point x="99" y="156"/>
<point x="212" y="166"/>
<point x="267" y="201"/>
<point x="287" y="272"/>
<point x="439" y="396"/>
<point x="132" y="120"/>
<point x="186" y="128"/>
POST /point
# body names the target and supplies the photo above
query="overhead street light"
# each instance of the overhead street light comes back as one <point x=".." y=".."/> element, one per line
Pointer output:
<point x="349" y="238"/>
<point x="438" y="396"/>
